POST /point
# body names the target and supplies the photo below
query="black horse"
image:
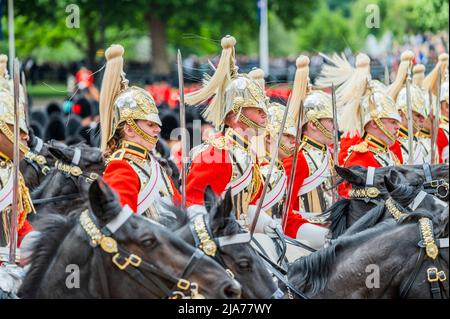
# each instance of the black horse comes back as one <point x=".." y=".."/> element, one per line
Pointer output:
<point x="63" y="187"/>
<point x="347" y="211"/>
<point x="385" y="261"/>
<point x="135" y="258"/>
<point x="237" y="255"/>
<point x="38" y="161"/>
<point x="402" y="199"/>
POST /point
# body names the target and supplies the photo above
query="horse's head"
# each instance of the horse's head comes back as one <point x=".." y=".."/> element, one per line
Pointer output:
<point x="165" y="258"/>
<point x="88" y="158"/>
<point x="37" y="163"/>
<point x="235" y="250"/>
<point x="411" y="194"/>
<point x="74" y="169"/>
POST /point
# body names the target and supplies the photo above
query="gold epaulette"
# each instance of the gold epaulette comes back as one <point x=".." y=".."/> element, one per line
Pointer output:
<point x="117" y="155"/>
<point x="139" y="161"/>
<point x="362" y="147"/>
<point x="218" y="142"/>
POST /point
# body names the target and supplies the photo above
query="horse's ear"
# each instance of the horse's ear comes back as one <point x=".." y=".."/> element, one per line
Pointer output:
<point x="209" y="199"/>
<point x="222" y="213"/>
<point x="59" y="153"/>
<point x="32" y="137"/>
<point x="395" y="177"/>
<point x="350" y="175"/>
<point x="103" y="201"/>
<point x="389" y="185"/>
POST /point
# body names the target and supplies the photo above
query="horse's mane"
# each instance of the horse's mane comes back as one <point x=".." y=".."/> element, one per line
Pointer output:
<point x="338" y="217"/>
<point x="311" y="272"/>
<point x="368" y="220"/>
<point x="181" y="216"/>
<point x="37" y="192"/>
<point x="53" y="229"/>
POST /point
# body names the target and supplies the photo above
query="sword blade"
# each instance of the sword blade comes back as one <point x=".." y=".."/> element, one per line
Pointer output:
<point x="25" y="92"/>
<point x="432" y="130"/>
<point x="437" y="119"/>
<point x="386" y="75"/>
<point x="293" y="169"/>
<point x="15" y="169"/>
<point x="269" y="174"/>
<point x="184" y="155"/>
<point x="410" y="120"/>
<point x="335" y="139"/>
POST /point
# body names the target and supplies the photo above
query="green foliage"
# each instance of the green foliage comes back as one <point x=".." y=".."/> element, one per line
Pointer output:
<point x="196" y="26"/>
<point x="328" y="31"/>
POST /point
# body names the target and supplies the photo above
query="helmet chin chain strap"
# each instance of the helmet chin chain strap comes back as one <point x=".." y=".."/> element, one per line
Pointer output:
<point x="10" y="136"/>
<point x="151" y="139"/>
<point x="286" y="149"/>
<point x="328" y="134"/>
<point x="383" y="128"/>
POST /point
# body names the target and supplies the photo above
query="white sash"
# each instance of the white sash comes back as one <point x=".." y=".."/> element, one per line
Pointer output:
<point x="6" y="194"/>
<point x="276" y="194"/>
<point x="317" y="178"/>
<point x="242" y="182"/>
<point x="151" y="191"/>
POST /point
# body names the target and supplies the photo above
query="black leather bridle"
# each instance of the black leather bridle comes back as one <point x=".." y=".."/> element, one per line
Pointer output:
<point x="158" y="282"/>
<point x="73" y="172"/>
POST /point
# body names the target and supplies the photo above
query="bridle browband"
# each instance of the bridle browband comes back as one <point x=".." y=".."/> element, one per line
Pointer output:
<point x="71" y="171"/>
<point x="36" y="160"/>
<point x="436" y="187"/>
<point x="211" y="245"/>
<point x="134" y="265"/>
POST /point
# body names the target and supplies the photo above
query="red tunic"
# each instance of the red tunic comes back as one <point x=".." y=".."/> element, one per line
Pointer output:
<point x="396" y="148"/>
<point x="211" y="167"/>
<point x="124" y="180"/>
<point x="363" y="159"/>
<point x="345" y="143"/>
<point x="295" y="220"/>
<point x="442" y="142"/>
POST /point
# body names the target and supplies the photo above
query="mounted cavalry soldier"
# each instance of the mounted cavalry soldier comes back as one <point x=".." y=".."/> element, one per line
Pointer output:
<point x="274" y="198"/>
<point x="25" y="206"/>
<point x="424" y="135"/>
<point x="368" y="116"/>
<point x="130" y="126"/>
<point x="420" y="112"/>
<point x="312" y="181"/>
<point x="435" y="96"/>
<point x="443" y="133"/>
<point x="238" y="110"/>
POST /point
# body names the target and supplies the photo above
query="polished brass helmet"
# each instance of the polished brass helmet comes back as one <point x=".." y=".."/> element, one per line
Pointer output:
<point x="120" y="103"/>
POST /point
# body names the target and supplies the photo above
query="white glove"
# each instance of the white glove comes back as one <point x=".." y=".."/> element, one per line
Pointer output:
<point x="265" y="224"/>
<point x="312" y="235"/>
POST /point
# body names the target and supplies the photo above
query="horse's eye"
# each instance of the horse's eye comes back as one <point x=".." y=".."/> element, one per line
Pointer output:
<point x="147" y="242"/>
<point x="244" y="265"/>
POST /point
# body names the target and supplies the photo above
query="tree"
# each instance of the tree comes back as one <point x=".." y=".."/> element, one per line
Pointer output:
<point x="197" y="16"/>
<point x="168" y="22"/>
<point x="49" y="23"/>
<point x="328" y="31"/>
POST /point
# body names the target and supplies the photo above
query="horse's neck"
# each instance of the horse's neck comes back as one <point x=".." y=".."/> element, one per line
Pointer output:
<point x="356" y="210"/>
